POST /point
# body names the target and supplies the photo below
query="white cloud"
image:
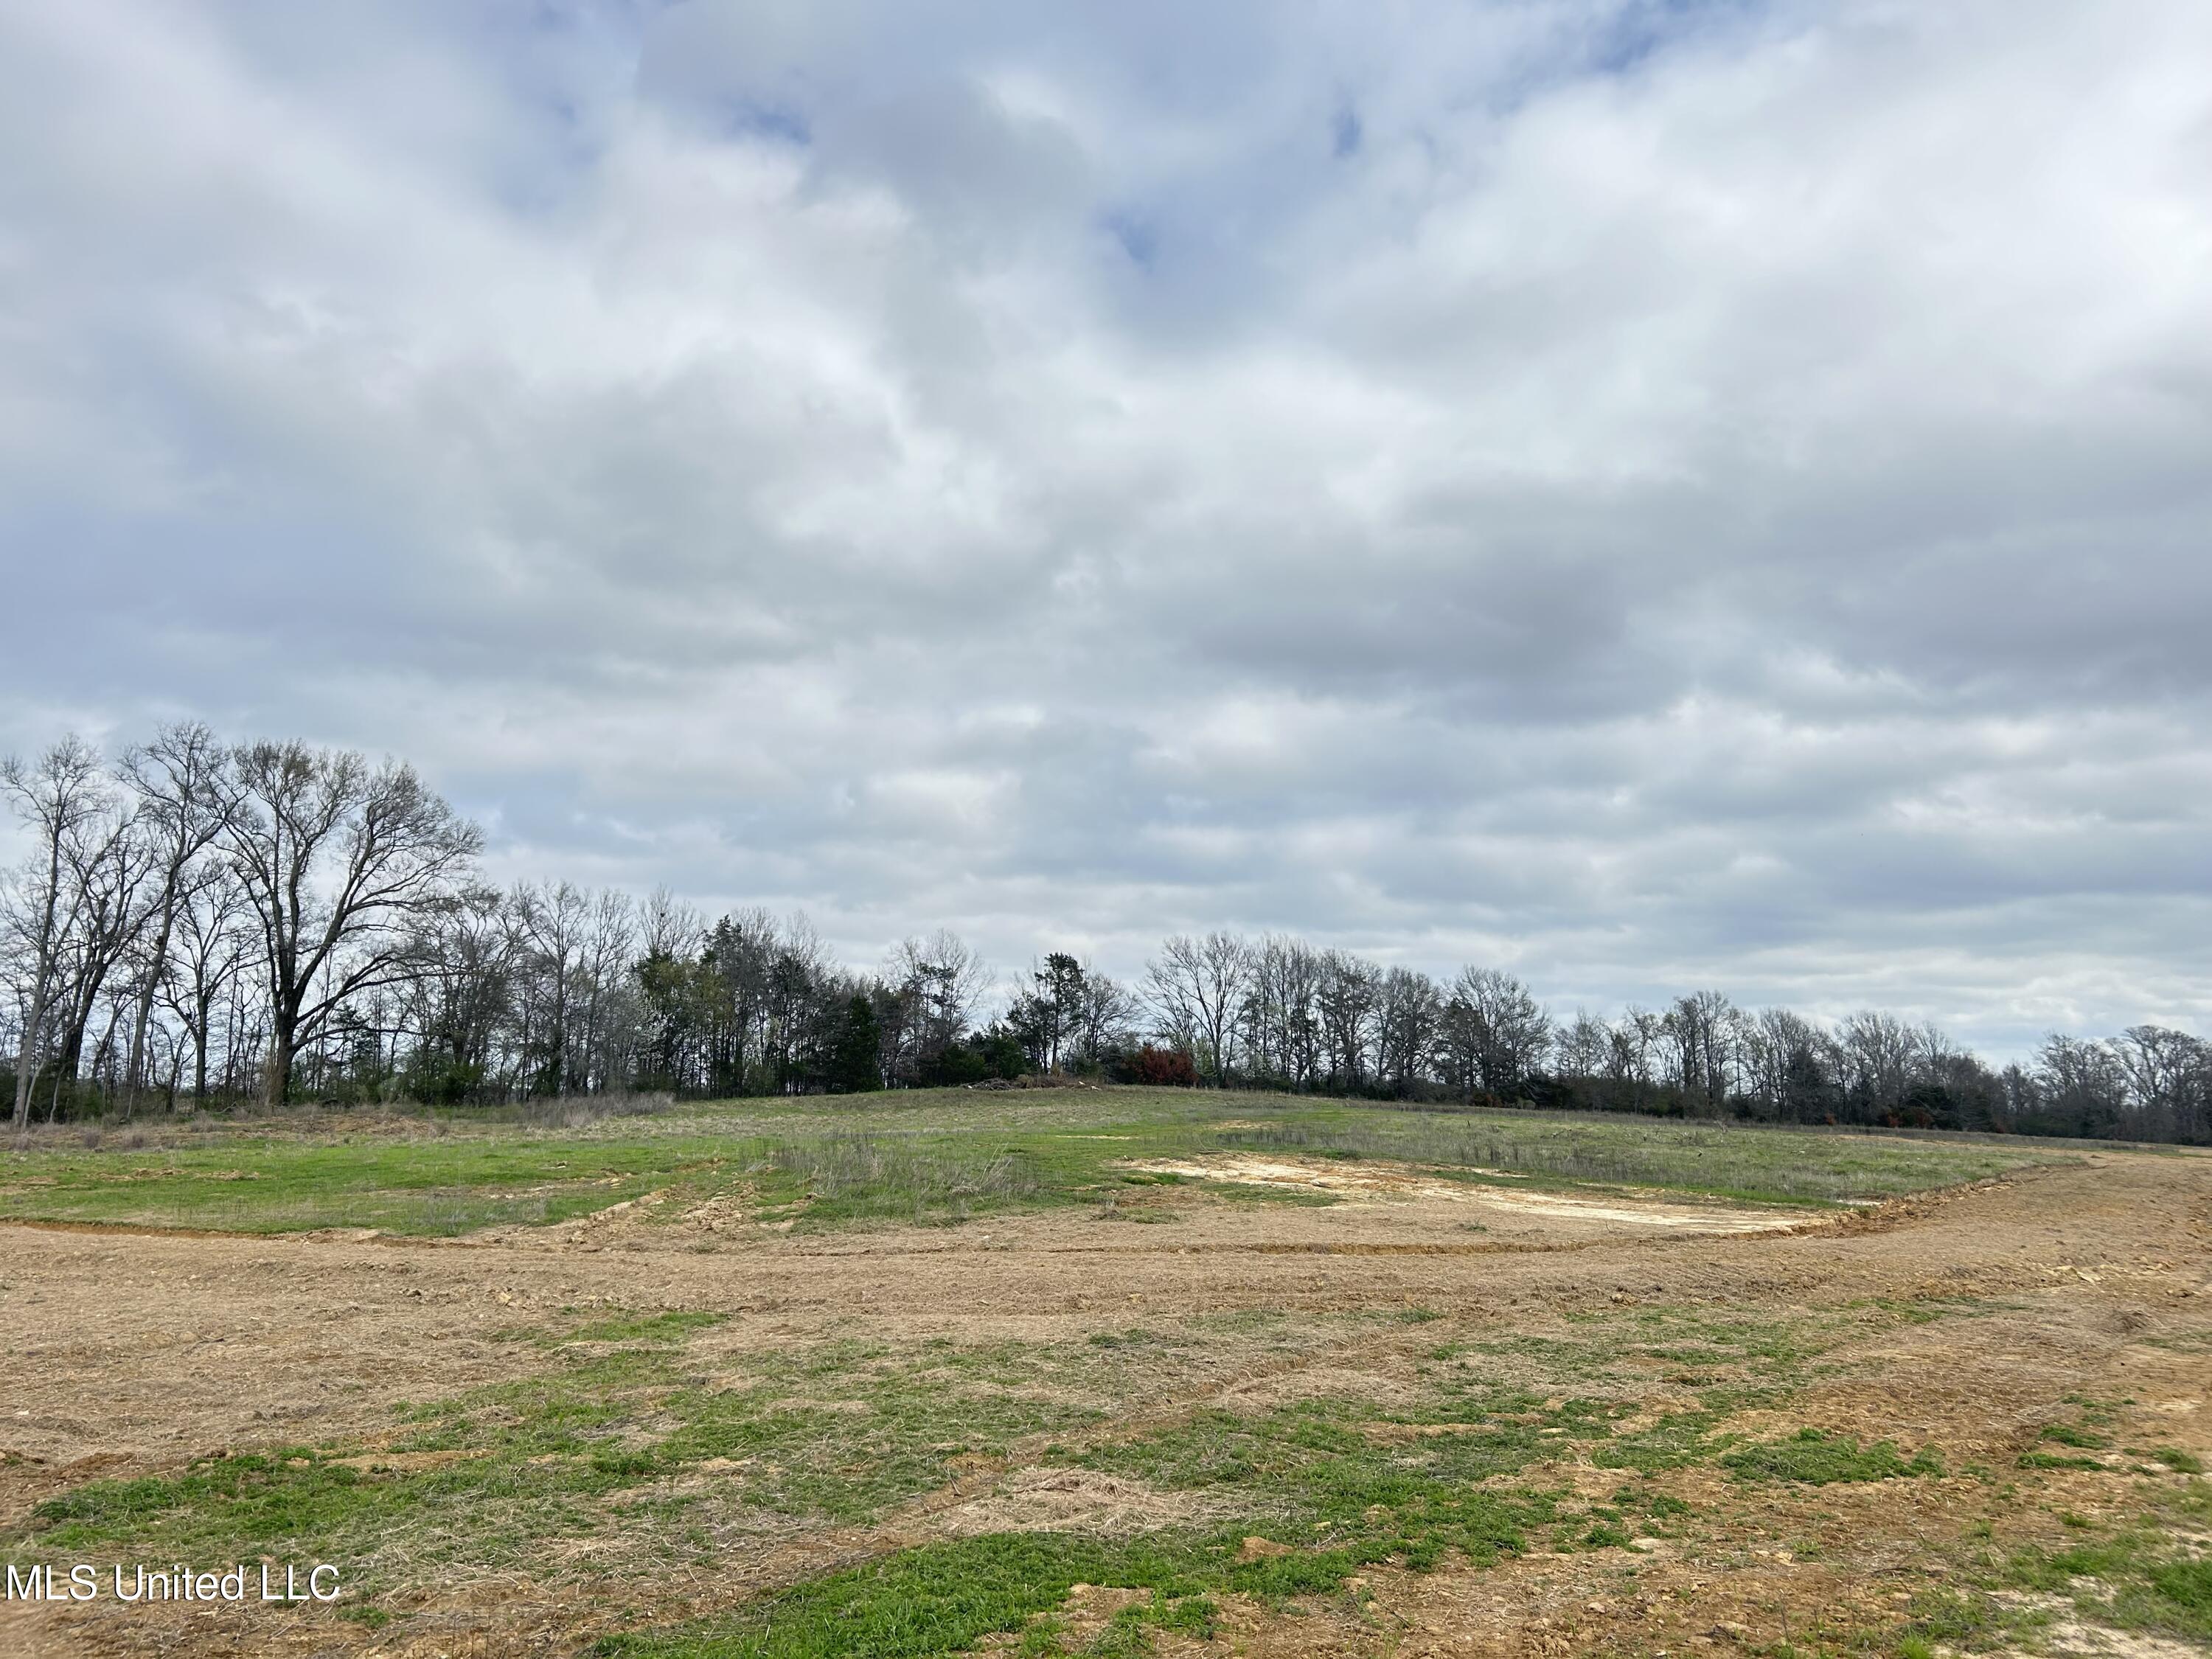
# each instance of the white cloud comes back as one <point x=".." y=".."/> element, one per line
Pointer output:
<point x="1655" y="495"/>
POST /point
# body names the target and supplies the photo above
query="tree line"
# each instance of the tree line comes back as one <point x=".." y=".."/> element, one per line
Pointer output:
<point x="212" y="921"/>
<point x="1277" y="1012"/>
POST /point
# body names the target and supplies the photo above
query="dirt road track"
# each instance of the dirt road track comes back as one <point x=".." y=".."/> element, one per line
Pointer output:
<point x="135" y="1352"/>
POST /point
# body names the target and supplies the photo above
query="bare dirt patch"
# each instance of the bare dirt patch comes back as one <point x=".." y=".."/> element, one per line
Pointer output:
<point x="1377" y="1182"/>
<point x="2069" y="1637"/>
<point x="1073" y="1500"/>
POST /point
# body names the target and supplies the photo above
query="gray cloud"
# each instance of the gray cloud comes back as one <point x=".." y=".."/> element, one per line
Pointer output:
<point x="1652" y="496"/>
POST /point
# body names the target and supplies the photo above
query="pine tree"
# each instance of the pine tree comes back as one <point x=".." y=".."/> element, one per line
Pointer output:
<point x="854" y="1067"/>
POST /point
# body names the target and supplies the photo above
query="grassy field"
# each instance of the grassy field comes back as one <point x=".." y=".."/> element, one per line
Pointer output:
<point x="1046" y="1437"/>
<point x="1332" y="1481"/>
<point x="929" y="1155"/>
<point x="634" y="1448"/>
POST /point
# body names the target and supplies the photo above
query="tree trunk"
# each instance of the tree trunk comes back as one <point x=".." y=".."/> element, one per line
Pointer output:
<point x="103" y="1054"/>
<point x="200" y="1048"/>
<point x="276" y="1073"/>
<point x="26" y="1057"/>
<point x="135" y="1075"/>
<point x="27" y="1064"/>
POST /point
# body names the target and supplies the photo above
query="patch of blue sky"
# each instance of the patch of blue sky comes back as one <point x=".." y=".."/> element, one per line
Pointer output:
<point x="1137" y="236"/>
<point x="1610" y="43"/>
<point x="1636" y="34"/>
<point x="780" y="123"/>
<point x="1346" y="132"/>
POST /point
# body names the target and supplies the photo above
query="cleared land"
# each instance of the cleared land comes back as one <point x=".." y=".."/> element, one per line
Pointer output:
<point x="1113" y="1372"/>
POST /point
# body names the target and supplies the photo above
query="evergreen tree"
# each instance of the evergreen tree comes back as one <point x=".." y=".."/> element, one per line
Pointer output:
<point x="855" y="1064"/>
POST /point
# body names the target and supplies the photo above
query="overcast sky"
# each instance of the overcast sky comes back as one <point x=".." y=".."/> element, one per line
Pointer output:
<point x="1647" y="495"/>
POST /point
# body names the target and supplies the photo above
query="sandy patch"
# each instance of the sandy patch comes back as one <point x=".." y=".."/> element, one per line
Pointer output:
<point x="1384" y="1182"/>
<point x="1655" y="1213"/>
<point x="2071" y="1638"/>
<point x="1365" y="1180"/>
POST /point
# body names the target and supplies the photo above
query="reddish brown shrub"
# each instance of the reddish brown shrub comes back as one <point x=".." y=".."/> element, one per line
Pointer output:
<point x="1163" y="1068"/>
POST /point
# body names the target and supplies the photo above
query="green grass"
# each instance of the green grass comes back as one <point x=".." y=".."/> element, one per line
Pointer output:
<point x="2036" y="1459"/>
<point x="1945" y="1620"/>
<point x="2134" y="1577"/>
<point x="629" y="1431"/>
<point x="1306" y="1479"/>
<point x="927" y="1156"/>
<point x="437" y="1186"/>
<point x="657" y="1439"/>
<point x="2187" y="1586"/>
<point x="644" y="1433"/>
<point x="1815" y="1459"/>
<point x="604" y="1437"/>
<point x="2133" y="1574"/>
<point x="848" y="1178"/>
<point x="941" y="1598"/>
<point x="1467" y="1465"/>
<point x="2066" y="1434"/>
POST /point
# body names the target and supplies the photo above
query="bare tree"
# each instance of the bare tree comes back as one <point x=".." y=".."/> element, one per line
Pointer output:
<point x="1877" y="1051"/>
<point x="1406" y="1014"/>
<point x="1580" y="1049"/>
<point x="1345" y="995"/>
<point x="1105" y="1017"/>
<point x="1281" y="1028"/>
<point x="177" y="779"/>
<point x="1495" y="1032"/>
<point x="341" y="864"/>
<point x="1196" y="986"/>
<point x="1702" y="1025"/>
<point x="1630" y="1067"/>
<point x="672" y="928"/>
<point x="610" y="936"/>
<point x="554" y="920"/>
<point x="2083" y="1083"/>
<point x="59" y="798"/>
<point x="211" y="949"/>
<point x="936" y="984"/>
<point x="1790" y="1065"/>
<point x="462" y="997"/>
<point x="110" y="904"/>
<point x="2169" y="1081"/>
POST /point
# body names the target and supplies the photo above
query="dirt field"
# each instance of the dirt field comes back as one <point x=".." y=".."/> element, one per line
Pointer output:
<point x="2042" y="1296"/>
